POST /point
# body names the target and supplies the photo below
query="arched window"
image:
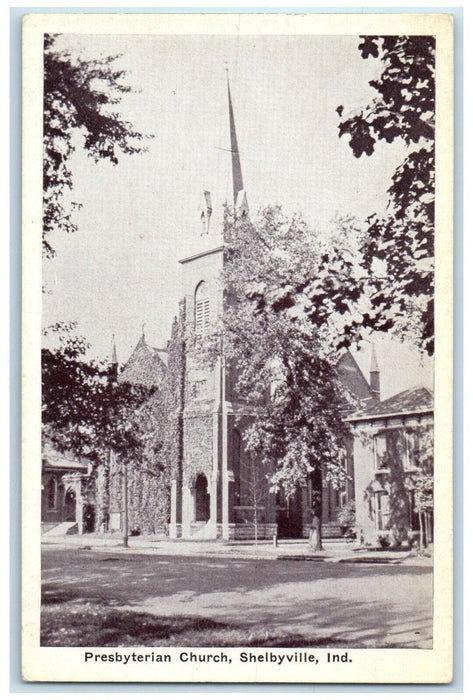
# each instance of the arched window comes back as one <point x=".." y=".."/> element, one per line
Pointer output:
<point x="202" y="309"/>
<point x="52" y="493"/>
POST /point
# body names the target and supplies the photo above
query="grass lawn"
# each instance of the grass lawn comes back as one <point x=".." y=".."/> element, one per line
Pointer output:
<point x="95" y="624"/>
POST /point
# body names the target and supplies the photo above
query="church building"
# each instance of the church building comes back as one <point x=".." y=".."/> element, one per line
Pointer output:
<point x="218" y="488"/>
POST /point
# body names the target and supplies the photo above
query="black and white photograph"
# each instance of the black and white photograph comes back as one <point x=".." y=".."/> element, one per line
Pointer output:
<point x="236" y="384"/>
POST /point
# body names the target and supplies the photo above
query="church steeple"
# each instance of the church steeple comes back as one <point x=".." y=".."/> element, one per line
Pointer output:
<point x="237" y="176"/>
<point x="239" y="195"/>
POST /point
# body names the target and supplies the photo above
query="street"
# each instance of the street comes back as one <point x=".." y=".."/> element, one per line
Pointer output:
<point x="210" y="601"/>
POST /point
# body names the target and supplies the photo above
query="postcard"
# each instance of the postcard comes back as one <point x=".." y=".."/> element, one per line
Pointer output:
<point x="237" y="388"/>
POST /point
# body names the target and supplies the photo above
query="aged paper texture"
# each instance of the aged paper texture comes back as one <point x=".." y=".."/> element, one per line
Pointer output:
<point x="232" y="404"/>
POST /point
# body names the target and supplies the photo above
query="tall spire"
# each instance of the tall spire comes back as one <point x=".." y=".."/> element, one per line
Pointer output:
<point x="237" y="176"/>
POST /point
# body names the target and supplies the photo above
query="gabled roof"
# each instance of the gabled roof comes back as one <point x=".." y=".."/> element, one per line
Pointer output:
<point x="56" y="460"/>
<point x="145" y="367"/>
<point x="408" y="402"/>
<point x="353" y="378"/>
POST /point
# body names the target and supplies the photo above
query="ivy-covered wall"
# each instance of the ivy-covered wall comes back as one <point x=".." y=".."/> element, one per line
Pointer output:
<point x="198" y="441"/>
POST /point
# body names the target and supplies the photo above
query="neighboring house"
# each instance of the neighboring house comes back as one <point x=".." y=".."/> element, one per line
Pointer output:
<point x="62" y="492"/>
<point x="393" y="447"/>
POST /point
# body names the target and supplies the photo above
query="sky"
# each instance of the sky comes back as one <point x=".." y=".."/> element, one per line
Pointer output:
<point x="120" y="269"/>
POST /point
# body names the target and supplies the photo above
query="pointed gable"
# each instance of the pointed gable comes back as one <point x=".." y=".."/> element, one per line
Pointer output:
<point x="144" y="367"/>
<point x="352" y="378"/>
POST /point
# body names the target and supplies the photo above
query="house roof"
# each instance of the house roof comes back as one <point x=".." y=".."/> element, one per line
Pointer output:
<point x="411" y="401"/>
<point x="145" y="366"/>
<point x="56" y="460"/>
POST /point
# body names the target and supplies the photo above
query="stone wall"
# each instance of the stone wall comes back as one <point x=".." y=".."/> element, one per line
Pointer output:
<point x="198" y="442"/>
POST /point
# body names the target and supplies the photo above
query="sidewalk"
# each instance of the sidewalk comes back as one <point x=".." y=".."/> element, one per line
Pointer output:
<point x="334" y="551"/>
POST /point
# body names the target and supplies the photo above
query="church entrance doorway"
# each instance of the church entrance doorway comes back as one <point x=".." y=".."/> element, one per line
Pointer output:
<point x="202" y="499"/>
<point x="70" y="506"/>
<point x="290" y="515"/>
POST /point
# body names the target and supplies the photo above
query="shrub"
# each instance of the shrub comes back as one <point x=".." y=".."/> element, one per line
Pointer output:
<point x="346" y="516"/>
<point x="384" y="541"/>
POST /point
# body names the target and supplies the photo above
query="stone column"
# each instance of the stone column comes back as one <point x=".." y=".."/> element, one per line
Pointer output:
<point x="173" y="521"/>
<point x="79" y="505"/>
<point x="216" y="444"/>
<point x="211" y="529"/>
<point x="187" y="510"/>
<point x="364" y="475"/>
<point x="225" y="484"/>
<point x="102" y="486"/>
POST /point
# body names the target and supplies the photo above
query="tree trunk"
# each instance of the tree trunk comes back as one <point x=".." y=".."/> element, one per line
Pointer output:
<point x="101" y="498"/>
<point x="428" y="527"/>
<point x="421" y="528"/>
<point x="125" y="505"/>
<point x="315" y="540"/>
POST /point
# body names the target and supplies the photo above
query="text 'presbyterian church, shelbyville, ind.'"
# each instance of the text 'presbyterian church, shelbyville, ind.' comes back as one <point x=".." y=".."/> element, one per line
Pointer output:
<point x="214" y="483"/>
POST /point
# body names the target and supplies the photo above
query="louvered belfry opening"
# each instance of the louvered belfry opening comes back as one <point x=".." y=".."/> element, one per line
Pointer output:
<point x="202" y="309"/>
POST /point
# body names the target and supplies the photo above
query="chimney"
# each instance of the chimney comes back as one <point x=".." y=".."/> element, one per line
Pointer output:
<point x="374" y="375"/>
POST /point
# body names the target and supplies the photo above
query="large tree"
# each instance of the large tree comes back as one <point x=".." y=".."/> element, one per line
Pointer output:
<point x="90" y="414"/>
<point x="85" y="410"/>
<point x="81" y="101"/>
<point x="399" y="247"/>
<point x="285" y="361"/>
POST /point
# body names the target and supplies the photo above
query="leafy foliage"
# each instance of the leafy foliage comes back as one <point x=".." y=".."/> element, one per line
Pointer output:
<point x="406" y="448"/>
<point x="398" y="252"/>
<point x="346" y="516"/>
<point x="84" y="410"/>
<point x="87" y="412"/>
<point x="270" y="342"/>
<point x="80" y="107"/>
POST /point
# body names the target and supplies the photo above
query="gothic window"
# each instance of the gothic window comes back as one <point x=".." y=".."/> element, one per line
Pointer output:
<point x="202" y="309"/>
<point x="52" y="493"/>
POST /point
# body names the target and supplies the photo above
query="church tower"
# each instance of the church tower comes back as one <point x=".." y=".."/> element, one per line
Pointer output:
<point x="207" y="490"/>
<point x="217" y="488"/>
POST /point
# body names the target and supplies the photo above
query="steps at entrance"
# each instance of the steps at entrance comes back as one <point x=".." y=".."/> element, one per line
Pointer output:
<point x="61" y="529"/>
<point x="331" y="530"/>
